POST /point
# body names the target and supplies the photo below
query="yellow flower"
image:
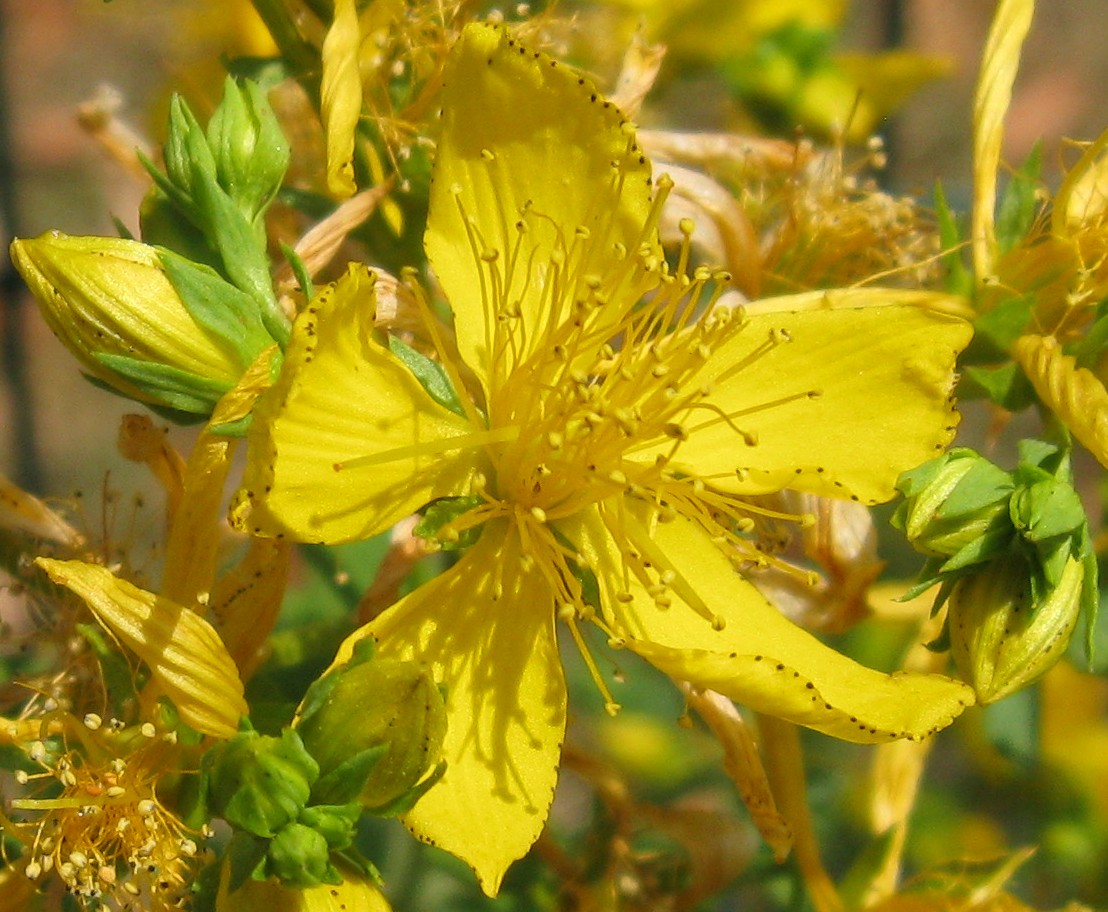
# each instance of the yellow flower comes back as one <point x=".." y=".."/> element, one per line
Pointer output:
<point x="602" y="445"/>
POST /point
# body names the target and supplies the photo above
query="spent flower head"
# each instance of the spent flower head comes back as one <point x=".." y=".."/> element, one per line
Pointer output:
<point x="598" y="423"/>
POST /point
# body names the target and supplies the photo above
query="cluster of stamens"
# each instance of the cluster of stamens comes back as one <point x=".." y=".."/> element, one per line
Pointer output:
<point x="103" y="831"/>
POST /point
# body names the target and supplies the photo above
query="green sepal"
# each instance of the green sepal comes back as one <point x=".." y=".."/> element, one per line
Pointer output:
<point x="170" y="386"/>
<point x="299" y="270"/>
<point x="243" y="253"/>
<point x="245" y="853"/>
<point x="430" y="374"/>
<point x="345" y="782"/>
<point x="225" y="312"/>
<point x="406" y="801"/>
<point x="236" y="429"/>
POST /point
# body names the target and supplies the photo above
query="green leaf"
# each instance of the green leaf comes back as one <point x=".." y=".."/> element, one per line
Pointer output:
<point x="959" y="279"/>
<point x="430" y="374"/>
<point x="994" y="332"/>
<point x="1006" y="385"/>
<point x="1018" y="206"/>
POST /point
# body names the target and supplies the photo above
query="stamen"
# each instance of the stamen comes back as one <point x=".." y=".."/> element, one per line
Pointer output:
<point x="432" y="447"/>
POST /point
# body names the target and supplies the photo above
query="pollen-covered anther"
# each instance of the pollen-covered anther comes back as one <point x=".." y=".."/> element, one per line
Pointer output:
<point x="617" y="477"/>
<point x="538" y="514"/>
<point x="592" y="281"/>
<point x="488" y="155"/>
<point x="490" y="255"/>
<point x="627" y="421"/>
<point x="624" y="597"/>
<point x="565" y="611"/>
<point x="675" y="431"/>
<point x="718" y="622"/>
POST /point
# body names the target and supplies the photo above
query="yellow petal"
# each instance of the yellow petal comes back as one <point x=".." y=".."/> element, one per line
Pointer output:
<point x="186" y="657"/>
<point x="344" y="400"/>
<point x="486" y="629"/>
<point x="526" y="141"/>
<point x="837" y="401"/>
<point x="1073" y="393"/>
<point x="999" y="64"/>
<point x="246" y="600"/>
<point x="190" y="553"/>
<point x="356" y="893"/>
<point x="341" y="96"/>
<point x="759" y="658"/>
<point x="1082" y="198"/>
<point x="25" y="513"/>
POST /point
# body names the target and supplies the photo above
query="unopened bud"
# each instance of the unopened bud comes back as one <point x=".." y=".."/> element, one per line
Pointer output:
<point x="1001" y="638"/>
<point x="259" y="783"/>
<point x="376" y="728"/>
<point x="955" y="501"/>
<point x="111" y="303"/>
<point x="300" y="857"/>
<point x="251" y="153"/>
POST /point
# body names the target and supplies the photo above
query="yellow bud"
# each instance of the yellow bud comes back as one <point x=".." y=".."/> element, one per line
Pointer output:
<point x="1001" y="640"/>
<point x="109" y="298"/>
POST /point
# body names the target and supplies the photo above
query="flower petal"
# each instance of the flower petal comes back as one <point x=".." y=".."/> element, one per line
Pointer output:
<point x="837" y="401"/>
<point x="341" y="96"/>
<point x="347" y="442"/>
<point x="1075" y="394"/>
<point x="759" y="658"/>
<point x="999" y="63"/>
<point x="356" y="893"/>
<point x="486" y="627"/>
<point x="527" y="142"/>
<point x="188" y="660"/>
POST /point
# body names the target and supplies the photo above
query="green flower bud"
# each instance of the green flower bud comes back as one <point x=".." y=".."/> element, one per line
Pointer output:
<point x="110" y="301"/>
<point x="1003" y="639"/>
<point x="300" y="857"/>
<point x="955" y="502"/>
<point x="376" y="727"/>
<point x="335" y="823"/>
<point x="251" y="153"/>
<point x="259" y="783"/>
